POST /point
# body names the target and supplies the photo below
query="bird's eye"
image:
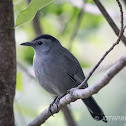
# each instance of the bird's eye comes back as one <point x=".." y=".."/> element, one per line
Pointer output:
<point x="39" y="42"/>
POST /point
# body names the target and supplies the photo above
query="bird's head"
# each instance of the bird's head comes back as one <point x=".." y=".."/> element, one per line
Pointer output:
<point x="42" y="43"/>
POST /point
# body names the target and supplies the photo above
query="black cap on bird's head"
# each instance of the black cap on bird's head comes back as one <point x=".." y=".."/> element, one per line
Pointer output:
<point x="45" y="36"/>
<point x="39" y="37"/>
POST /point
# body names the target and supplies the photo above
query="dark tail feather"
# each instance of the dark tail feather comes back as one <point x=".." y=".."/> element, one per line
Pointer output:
<point x="94" y="109"/>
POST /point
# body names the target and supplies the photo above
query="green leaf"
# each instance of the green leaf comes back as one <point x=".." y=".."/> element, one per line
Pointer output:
<point x="29" y="13"/>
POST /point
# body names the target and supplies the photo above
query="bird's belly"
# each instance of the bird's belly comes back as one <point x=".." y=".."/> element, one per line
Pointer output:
<point x="52" y="84"/>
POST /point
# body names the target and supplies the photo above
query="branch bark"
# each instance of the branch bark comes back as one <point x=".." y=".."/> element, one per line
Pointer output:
<point x="81" y="93"/>
<point x="7" y="63"/>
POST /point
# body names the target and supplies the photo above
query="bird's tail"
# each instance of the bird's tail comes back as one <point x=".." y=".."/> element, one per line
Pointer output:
<point x="94" y="109"/>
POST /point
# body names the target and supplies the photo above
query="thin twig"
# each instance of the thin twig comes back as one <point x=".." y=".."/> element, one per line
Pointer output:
<point x="109" y="20"/>
<point x="121" y="11"/>
<point x="107" y="52"/>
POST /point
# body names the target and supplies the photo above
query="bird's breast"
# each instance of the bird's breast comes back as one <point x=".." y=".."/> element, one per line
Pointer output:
<point x="49" y="74"/>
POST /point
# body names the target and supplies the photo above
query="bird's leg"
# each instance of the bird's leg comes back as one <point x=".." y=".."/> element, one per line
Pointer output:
<point x="56" y="102"/>
<point x="52" y="105"/>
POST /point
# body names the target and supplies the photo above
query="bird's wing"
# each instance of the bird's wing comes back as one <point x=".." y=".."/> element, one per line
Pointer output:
<point x="73" y="68"/>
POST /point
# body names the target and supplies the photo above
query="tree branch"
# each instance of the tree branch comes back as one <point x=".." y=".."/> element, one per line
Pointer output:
<point x="81" y="93"/>
<point x="109" y="20"/>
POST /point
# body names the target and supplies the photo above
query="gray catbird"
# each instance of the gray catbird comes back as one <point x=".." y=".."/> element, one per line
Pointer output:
<point x="57" y="70"/>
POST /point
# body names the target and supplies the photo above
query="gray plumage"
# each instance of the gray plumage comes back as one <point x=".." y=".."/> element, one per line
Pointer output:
<point x="57" y="70"/>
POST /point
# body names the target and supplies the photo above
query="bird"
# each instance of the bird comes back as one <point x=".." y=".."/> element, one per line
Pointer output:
<point x="57" y="70"/>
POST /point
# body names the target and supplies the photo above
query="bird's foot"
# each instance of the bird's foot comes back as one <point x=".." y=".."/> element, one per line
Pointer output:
<point x="55" y="102"/>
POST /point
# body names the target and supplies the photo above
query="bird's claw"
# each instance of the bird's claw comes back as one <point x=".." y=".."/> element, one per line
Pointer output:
<point x="56" y="102"/>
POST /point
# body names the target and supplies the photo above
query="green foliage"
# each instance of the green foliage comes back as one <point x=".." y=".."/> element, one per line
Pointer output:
<point x="89" y="25"/>
<point x="84" y="65"/>
<point x="18" y="82"/>
<point x="90" y="1"/>
<point x="27" y="55"/>
<point x="29" y="13"/>
<point x="72" y="18"/>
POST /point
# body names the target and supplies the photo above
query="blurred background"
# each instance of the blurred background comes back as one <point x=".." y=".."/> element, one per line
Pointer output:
<point x="86" y="33"/>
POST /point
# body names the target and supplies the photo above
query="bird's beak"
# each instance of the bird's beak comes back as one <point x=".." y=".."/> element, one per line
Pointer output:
<point x="26" y="44"/>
